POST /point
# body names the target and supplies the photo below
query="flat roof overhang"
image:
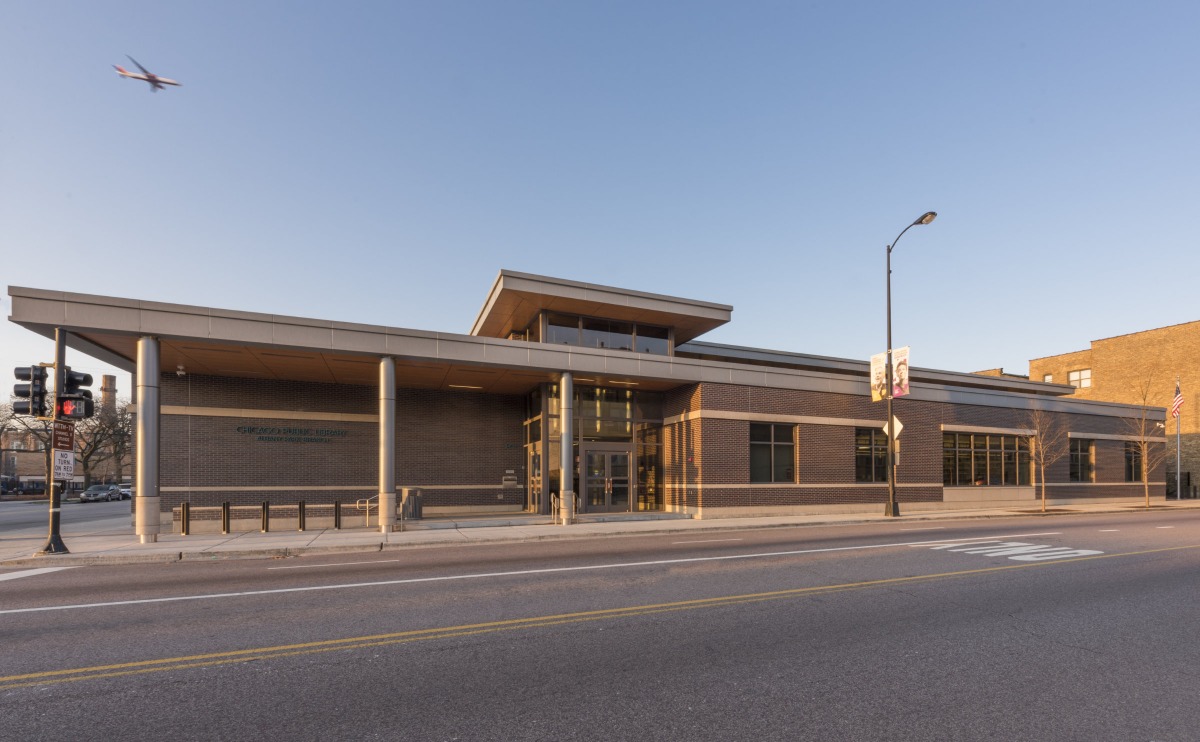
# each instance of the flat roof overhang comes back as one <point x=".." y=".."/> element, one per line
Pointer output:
<point x="223" y="342"/>
<point x="516" y="299"/>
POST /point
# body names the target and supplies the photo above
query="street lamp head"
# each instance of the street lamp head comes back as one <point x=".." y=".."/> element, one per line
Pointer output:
<point x="926" y="218"/>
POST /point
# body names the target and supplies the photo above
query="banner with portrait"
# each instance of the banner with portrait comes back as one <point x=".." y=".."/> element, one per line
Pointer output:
<point x="900" y="372"/>
<point x="878" y="377"/>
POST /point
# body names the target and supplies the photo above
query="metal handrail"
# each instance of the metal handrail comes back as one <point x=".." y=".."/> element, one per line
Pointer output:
<point x="365" y="504"/>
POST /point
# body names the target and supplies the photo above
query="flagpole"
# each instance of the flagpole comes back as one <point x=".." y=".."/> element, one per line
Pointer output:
<point x="1178" y="422"/>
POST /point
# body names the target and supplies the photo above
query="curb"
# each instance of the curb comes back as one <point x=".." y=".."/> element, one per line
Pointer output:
<point x="731" y="524"/>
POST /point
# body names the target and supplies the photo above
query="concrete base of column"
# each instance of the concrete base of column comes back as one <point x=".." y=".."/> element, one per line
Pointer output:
<point x="566" y="511"/>
<point x="147" y="523"/>
<point x="387" y="512"/>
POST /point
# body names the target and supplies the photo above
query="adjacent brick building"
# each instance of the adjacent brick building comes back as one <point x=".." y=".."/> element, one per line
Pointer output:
<point x="246" y="408"/>
<point x="1136" y="369"/>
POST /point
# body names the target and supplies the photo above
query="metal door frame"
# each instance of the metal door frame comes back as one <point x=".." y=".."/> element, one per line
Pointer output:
<point x="588" y="447"/>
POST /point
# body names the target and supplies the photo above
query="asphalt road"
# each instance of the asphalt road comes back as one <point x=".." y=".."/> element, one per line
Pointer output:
<point x="20" y="518"/>
<point x="1067" y="628"/>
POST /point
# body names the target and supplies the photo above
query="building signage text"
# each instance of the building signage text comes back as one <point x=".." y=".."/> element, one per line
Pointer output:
<point x="271" y="434"/>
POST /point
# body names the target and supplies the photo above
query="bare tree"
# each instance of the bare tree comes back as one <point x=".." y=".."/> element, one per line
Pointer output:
<point x="120" y="423"/>
<point x="1047" y="445"/>
<point x="37" y="429"/>
<point x="1146" y="434"/>
<point x="92" y="445"/>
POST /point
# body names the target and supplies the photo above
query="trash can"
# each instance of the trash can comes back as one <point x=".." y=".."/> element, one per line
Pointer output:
<point x="410" y="504"/>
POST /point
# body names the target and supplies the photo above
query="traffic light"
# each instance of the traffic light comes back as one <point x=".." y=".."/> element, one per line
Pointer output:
<point x="74" y="402"/>
<point x="34" y="391"/>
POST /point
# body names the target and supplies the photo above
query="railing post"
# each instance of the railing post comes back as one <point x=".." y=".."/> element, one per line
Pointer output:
<point x="337" y="515"/>
<point x="224" y="517"/>
<point x="300" y="514"/>
<point x="266" y="517"/>
<point x="185" y="515"/>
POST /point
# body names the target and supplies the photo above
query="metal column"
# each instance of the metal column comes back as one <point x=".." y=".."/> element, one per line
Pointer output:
<point x="387" y="444"/>
<point x="147" y="521"/>
<point x="566" y="487"/>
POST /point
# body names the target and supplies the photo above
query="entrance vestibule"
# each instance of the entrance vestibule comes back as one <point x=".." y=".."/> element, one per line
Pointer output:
<point x="617" y="450"/>
<point x="607" y="484"/>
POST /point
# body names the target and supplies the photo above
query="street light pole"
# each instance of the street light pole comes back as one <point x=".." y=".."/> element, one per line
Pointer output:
<point x="893" y="508"/>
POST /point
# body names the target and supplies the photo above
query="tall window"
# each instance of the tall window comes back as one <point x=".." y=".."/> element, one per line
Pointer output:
<point x="1081" y="460"/>
<point x="772" y="453"/>
<point x="1081" y="379"/>
<point x="870" y="455"/>
<point x="594" y="332"/>
<point x="984" y="459"/>
<point x="1133" y="461"/>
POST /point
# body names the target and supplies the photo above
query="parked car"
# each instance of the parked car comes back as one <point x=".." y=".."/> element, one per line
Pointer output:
<point x="126" y="491"/>
<point x="100" y="493"/>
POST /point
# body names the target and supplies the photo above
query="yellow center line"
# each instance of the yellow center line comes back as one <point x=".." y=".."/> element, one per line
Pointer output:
<point x="238" y="656"/>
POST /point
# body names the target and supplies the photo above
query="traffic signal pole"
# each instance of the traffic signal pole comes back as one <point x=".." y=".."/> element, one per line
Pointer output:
<point x="54" y="543"/>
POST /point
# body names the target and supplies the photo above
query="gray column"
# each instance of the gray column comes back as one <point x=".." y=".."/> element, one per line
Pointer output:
<point x="387" y="444"/>
<point x="566" y="411"/>
<point x="147" y="521"/>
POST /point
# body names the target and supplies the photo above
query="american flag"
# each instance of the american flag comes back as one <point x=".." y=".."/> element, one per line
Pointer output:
<point x="1177" y="403"/>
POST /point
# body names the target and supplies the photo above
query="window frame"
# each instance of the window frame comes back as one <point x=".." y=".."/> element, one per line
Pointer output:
<point x="1082" y="453"/>
<point x="780" y="451"/>
<point x="1133" y="461"/>
<point x="870" y="460"/>
<point x="985" y="460"/>
<point x="1080" y="378"/>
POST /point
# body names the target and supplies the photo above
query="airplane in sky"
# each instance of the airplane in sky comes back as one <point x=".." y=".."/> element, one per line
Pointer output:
<point x="156" y="82"/>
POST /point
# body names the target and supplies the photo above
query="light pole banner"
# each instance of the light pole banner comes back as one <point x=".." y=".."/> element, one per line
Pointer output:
<point x="878" y="377"/>
<point x="900" y="372"/>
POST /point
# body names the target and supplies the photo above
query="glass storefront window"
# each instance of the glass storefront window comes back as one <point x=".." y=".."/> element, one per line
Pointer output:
<point x="651" y="339"/>
<point x="649" y="405"/>
<point x="979" y="460"/>
<point x="604" y="430"/>
<point x="596" y="332"/>
<point x="603" y="333"/>
<point x="562" y="329"/>
<point x="614" y="404"/>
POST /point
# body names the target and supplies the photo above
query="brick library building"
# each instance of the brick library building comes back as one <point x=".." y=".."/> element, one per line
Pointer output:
<point x="246" y="408"/>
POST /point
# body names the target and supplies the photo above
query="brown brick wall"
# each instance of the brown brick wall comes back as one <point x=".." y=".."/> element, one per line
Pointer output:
<point x="442" y="439"/>
<point x="825" y="453"/>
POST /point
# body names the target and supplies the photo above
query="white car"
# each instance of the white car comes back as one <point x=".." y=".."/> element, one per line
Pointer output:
<point x="126" y="491"/>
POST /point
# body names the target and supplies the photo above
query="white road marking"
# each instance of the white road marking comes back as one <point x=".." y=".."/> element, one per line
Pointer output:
<point x="708" y="541"/>
<point x="338" y="564"/>
<point x="1164" y="526"/>
<point x="1109" y="530"/>
<point x="1017" y="550"/>
<point x="931" y="528"/>
<point x="517" y="573"/>
<point x="32" y="572"/>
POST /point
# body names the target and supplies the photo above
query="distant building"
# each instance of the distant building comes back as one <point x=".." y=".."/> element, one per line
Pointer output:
<point x="1117" y="369"/>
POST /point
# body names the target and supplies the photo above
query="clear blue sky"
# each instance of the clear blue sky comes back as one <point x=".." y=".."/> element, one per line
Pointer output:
<point x="380" y="162"/>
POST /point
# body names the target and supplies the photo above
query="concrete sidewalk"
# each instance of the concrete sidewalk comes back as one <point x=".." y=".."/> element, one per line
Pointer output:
<point x="120" y="546"/>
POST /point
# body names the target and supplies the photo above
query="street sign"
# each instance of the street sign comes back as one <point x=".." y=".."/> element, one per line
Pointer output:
<point x="64" y="436"/>
<point x="64" y="464"/>
<point x="899" y="427"/>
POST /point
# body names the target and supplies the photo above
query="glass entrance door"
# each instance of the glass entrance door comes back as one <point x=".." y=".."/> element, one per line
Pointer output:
<point x="606" y="481"/>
